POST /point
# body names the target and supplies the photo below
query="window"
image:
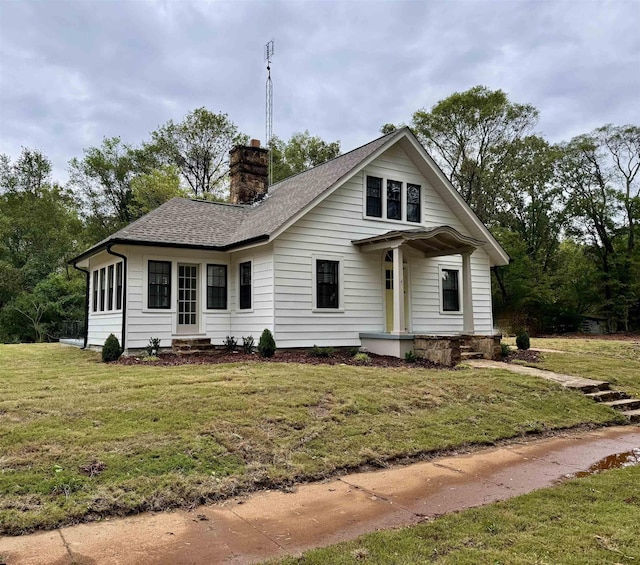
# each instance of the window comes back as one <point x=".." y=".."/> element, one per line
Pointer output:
<point x="327" y="286"/>
<point x="102" y="281"/>
<point x="374" y="197"/>
<point x="245" y="285"/>
<point x="450" y="293"/>
<point x="217" y="287"/>
<point x="118" y="286"/>
<point x="159" y="290"/>
<point x="110" y="287"/>
<point x="413" y="203"/>
<point x="394" y="200"/>
<point x="95" y="291"/>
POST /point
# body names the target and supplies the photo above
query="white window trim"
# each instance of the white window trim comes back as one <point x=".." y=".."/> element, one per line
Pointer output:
<point x="403" y="198"/>
<point x="105" y="312"/>
<point x="205" y="270"/>
<point x="239" y="310"/>
<point x="145" y="285"/>
<point x="444" y="312"/>
<point x="314" y="287"/>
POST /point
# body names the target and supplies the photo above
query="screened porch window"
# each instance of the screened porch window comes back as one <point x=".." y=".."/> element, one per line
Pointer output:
<point x="327" y="285"/>
<point x="245" y="285"/>
<point x="450" y="291"/>
<point x="374" y="197"/>
<point x="95" y="291"/>
<point x="103" y="273"/>
<point x="118" y="286"/>
<point x="159" y="291"/>
<point x="394" y="200"/>
<point x="110" y="288"/>
<point x="217" y="287"/>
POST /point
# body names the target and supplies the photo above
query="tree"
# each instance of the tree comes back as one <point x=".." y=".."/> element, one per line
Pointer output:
<point x="300" y="153"/>
<point x="471" y="134"/>
<point x="30" y="172"/>
<point x="199" y="147"/>
<point x="150" y="190"/>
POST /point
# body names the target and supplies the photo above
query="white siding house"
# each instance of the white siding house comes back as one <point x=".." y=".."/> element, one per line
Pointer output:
<point x="371" y="248"/>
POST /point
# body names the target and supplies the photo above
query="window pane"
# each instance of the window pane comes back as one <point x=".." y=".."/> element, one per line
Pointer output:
<point x="413" y="202"/>
<point x="450" y="293"/>
<point x="119" y="286"/>
<point x="374" y="197"/>
<point x="110" y="288"/>
<point x="217" y="287"/>
<point x="159" y="284"/>
<point x="327" y="284"/>
<point x="394" y="200"/>
<point x="245" y="285"/>
<point x="95" y="291"/>
<point x="103" y="275"/>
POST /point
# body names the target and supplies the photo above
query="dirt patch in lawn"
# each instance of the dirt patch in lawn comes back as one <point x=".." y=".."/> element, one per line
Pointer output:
<point x="526" y="355"/>
<point x="336" y="358"/>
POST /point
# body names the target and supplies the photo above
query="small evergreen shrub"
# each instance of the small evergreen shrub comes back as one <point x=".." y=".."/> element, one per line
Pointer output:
<point x="523" y="341"/>
<point x="504" y="349"/>
<point x="230" y="344"/>
<point x="362" y="358"/>
<point x="353" y="351"/>
<point x="154" y="347"/>
<point x="410" y="357"/>
<point x="248" y="344"/>
<point x="111" y="350"/>
<point x="266" y="345"/>
<point x="324" y="352"/>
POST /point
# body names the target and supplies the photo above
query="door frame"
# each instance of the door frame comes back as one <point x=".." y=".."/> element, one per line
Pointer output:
<point x="188" y="329"/>
<point x="407" y="294"/>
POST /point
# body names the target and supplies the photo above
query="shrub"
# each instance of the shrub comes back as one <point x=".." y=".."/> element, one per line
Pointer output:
<point x="410" y="357"/>
<point x="362" y="358"/>
<point x="353" y="351"/>
<point x="504" y="349"/>
<point x="321" y="351"/>
<point x="154" y="346"/>
<point x="266" y="345"/>
<point x="248" y="344"/>
<point x="111" y="350"/>
<point x="230" y="344"/>
<point x="523" y="341"/>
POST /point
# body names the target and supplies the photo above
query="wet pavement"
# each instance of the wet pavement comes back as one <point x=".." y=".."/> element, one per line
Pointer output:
<point x="273" y="523"/>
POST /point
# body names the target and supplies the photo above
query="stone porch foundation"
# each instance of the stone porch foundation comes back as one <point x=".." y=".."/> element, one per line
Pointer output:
<point x="447" y="350"/>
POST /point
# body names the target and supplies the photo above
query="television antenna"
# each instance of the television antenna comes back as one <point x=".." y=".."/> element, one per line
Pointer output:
<point x="268" y="54"/>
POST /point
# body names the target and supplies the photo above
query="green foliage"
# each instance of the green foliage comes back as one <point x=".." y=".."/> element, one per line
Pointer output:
<point x="410" y="356"/>
<point x="152" y="189"/>
<point x="321" y="351"/>
<point x="230" y="343"/>
<point x="111" y="350"/>
<point x="300" y="153"/>
<point x="248" y="344"/>
<point x="353" y="351"/>
<point x="504" y="349"/>
<point x="266" y="345"/>
<point x="522" y="341"/>
<point x="362" y="358"/>
<point x="153" y="347"/>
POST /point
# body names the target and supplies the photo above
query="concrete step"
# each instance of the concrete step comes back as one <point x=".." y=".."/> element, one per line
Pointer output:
<point x="607" y="395"/>
<point x="633" y="415"/>
<point x="465" y="355"/>
<point x="625" y="405"/>
<point x="190" y="341"/>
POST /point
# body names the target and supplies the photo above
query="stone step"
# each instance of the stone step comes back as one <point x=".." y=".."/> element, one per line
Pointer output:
<point x="588" y="386"/>
<point x="196" y="351"/>
<point x="633" y="415"/>
<point x="466" y="348"/>
<point x="191" y="342"/>
<point x="195" y="347"/>
<point x="470" y="355"/>
<point x="607" y="395"/>
<point x="625" y="405"/>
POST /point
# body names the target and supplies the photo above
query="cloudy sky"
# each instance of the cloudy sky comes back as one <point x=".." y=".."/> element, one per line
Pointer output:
<point x="73" y="72"/>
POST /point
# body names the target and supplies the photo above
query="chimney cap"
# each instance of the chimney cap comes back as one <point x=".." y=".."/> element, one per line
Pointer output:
<point x="255" y="143"/>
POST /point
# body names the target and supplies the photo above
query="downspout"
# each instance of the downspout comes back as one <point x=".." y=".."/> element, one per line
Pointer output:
<point x="124" y="293"/>
<point x="86" y="303"/>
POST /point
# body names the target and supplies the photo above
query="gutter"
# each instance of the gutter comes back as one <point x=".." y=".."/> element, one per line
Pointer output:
<point x="124" y="293"/>
<point x="86" y="303"/>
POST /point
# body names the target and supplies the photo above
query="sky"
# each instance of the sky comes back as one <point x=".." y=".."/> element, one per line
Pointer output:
<point x="74" y="72"/>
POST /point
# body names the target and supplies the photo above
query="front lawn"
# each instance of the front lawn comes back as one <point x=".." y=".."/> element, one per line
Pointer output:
<point x="585" y="521"/>
<point x="82" y="440"/>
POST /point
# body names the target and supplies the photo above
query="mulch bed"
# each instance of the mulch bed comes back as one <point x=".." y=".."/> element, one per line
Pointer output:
<point x="336" y="358"/>
<point x="528" y="355"/>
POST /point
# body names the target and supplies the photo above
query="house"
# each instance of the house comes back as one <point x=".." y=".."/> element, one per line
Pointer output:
<point x="374" y="248"/>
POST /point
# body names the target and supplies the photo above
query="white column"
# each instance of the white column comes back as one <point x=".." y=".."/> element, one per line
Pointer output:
<point x="398" y="292"/>
<point x="467" y="294"/>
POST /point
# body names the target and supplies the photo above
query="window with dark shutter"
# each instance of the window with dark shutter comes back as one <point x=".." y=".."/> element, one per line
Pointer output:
<point x="245" y="285"/>
<point x="413" y="203"/>
<point x="159" y="292"/>
<point x="394" y="200"/>
<point x="450" y="292"/>
<point x="217" y="287"/>
<point x="327" y="287"/>
<point x="374" y="197"/>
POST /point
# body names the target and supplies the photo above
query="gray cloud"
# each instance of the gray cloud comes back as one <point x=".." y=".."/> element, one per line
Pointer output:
<point x="73" y="72"/>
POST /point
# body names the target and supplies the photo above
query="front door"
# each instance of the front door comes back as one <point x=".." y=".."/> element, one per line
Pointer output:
<point x="187" y="299"/>
<point x="388" y="293"/>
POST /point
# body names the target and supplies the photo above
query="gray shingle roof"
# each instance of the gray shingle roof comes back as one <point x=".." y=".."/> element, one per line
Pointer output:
<point x="195" y="223"/>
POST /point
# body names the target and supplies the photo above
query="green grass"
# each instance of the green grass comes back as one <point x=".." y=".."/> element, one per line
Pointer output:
<point x="162" y="437"/>
<point x="585" y="521"/>
<point x="617" y="362"/>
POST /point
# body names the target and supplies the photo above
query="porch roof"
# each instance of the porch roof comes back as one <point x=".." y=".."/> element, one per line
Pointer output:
<point x="433" y="242"/>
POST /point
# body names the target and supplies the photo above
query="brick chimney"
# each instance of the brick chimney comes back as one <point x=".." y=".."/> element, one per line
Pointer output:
<point x="249" y="172"/>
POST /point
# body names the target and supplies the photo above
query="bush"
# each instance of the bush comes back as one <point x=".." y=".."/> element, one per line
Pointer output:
<point x="266" y="345"/>
<point x="111" y="350"/>
<point x="248" y="344"/>
<point x="504" y="350"/>
<point x="362" y="358"/>
<point x="410" y="357"/>
<point x="230" y="344"/>
<point x="523" y="341"/>
<point x="154" y="347"/>
<point x="353" y="351"/>
<point x="321" y="351"/>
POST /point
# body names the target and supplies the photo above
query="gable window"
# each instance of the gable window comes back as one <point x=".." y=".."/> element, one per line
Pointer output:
<point x="159" y="280"/>
<point x="217" y="287"/>
<point x="327" y="286"/>
<point x="394" y="200"/>
<point x="110" y="287"/>
<point x="413" y="203"/>
<point x="245" y="285"/>
<point x="95" y="291"/>
<point x="374" y="197"/>
<point x="450" y="291"/>
<point x="118" y="286"/>
<point x="102" y="283"/>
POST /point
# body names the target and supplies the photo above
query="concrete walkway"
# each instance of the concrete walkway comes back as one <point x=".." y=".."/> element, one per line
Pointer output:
<point x="273" y="523"/>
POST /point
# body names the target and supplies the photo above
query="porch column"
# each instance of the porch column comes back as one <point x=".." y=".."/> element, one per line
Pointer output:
<point x="398" y="292"/>
<point x="467" y="294"/>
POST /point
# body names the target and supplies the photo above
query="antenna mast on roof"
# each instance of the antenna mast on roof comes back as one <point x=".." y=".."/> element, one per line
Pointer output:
<point x="268" y="54"/>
